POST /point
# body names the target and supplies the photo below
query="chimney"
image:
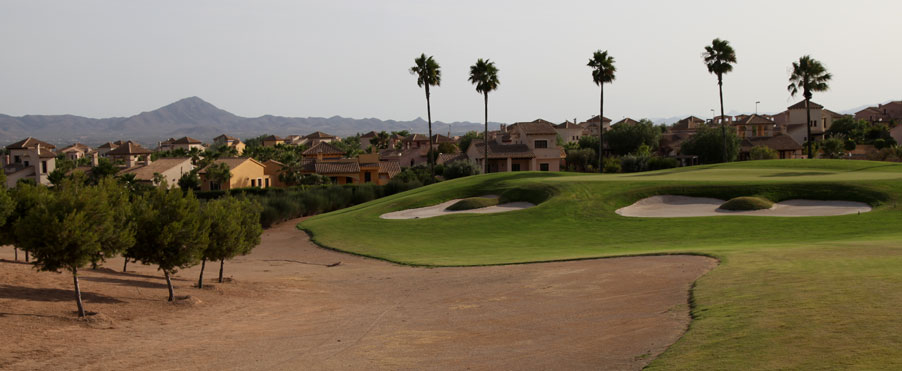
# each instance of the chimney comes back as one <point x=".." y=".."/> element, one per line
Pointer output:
<point x="132" y="161"/>
<point x="94" y="159"/>
<point x="147" y="160"/>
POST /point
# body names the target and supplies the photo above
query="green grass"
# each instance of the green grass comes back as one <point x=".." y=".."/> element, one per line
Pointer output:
<point x="471" y="203"/>
<point x="744" y="203"/>
<point x="812" y="292"/>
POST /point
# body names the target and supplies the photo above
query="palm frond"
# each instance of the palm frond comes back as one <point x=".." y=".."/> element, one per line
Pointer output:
<point x="603" y="69"/>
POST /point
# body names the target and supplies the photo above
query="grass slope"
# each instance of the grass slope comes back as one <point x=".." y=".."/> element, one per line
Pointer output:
<point x="471" y="203"/>
<point x="745" y="203"/>
<point x="807" y="292"/>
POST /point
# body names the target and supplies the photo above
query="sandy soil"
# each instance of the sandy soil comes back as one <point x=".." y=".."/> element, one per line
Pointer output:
<point x="439" y="210"/>
<point x="283" y="308"/>
<point x="683" y="206"/>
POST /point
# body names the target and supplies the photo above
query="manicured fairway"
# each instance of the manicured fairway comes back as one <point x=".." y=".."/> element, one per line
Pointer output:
<point x="790" y="292"/>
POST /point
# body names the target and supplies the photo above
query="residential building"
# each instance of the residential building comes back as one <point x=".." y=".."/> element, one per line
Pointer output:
<point x="75" y="151"/>
<point x="530" y="146"/>
<point x="29" y="158"/>
<point x="165" y="170"/>
<point x="786" y="147"/>
<point x="754" y="126"/>
<point x="130" y="154"/>
<point x="272" y="140"/>
<point x="230" y="141"/>
<point x="187" y="144"/>
<point x="273" y="169"/>
<point x="318" y="137"/>
<point x="794" y="119"/>
<point x="626" y="121"/>
<point x="245" y="172"/>
<point x="888" y="112"/>
<point x="323" y="151"/>
<point x="105" y="148"/>
<point x="590" y="126"/>
<point x="366" y="168"/>
<point x="569" y="132"/>
<point x="689" y="124"/>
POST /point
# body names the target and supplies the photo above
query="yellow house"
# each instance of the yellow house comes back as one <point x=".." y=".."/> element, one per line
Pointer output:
<point x="246" y="172"/>
<point x="230" y="141"/>
<point x="272" y="169"/>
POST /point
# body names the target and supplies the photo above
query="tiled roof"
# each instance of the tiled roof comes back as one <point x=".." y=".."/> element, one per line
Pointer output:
<point x="371" y="134"/>
<point x="497" y="150"/>
<point x="273" y="138"/>
<point x="186" y="140"/>
<point x="129" y="148"/>
<point x="781" y="142"/>
<point x="801" y="105"/>
<point x="225" y="137"/>
<point x="76" y="147"/>
<point x="449" y="157"/>
<point x="231" y="162"/>
<point x="834" y="114"/>
<point x="30" y="143"/>
<point x="391" y="168"/>
<point x="536" y="127"/>
<point x="337" y="167"/>
<point x="594" y="119"/>
<point x="754" y="120"/>
<point x="324" y="148"/>
<point x="688" y="123"/>
<point x="567" y="125"/>
<point x="416" y="138"/>
<point x="319" y="135"/>
<point x="627" y="121"/>
<point x="146" y="172"/>
<point x="438" y="138"/>
<point x="110" y="145"/>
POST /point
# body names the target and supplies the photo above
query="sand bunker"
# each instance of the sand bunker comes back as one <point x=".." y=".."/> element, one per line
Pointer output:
<point x="440" y="209"/>
<point x="684" y="206"/>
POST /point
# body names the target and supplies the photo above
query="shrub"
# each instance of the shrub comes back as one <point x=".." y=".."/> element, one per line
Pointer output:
<point x="460" y="169"/>
<point x="747" y="203"/>
<point x="658" y="163"/>
<point x="611" y="165"/>
<point x="633" y="164"/>
<point x="707" y="144"/>
<point x="473" y="203"/>
<point x="763" y="153"/>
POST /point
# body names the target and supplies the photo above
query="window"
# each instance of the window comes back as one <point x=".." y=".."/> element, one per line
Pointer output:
<point x="541" y="144"/>
<point x="543" y="167"/>
<point x="253" y="182"/>
<point x="333" y="179"/>
<point x="214" y="186"/>
<point x="267" y="182"/>
<point x="515" y="167"/>
<point x="44" y="167"/>
<point x="349" y="180"/>
<point x="260" y="182"/>
<point x="367" y="177"/>
<point x="17" y="159"/>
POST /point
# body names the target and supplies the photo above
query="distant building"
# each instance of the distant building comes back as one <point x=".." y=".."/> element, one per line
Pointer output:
<point x="165" y="170"/>
<point x="230" y="141"/>
<point x="29" y="158"/>
<point x="246" y="172"/>
<point x="75" y="151"/>
<point x="891" y="111"/>
<point x="130" y="154"/>
<point x="272" y="140"/>
<point x="793" y="120"/>
<point x="569" y="132"/>
<point x="187" y="144"/>
<point x="527" y="146"/>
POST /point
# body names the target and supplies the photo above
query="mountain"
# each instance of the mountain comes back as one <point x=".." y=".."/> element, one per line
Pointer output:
<point x="197" y="118"/>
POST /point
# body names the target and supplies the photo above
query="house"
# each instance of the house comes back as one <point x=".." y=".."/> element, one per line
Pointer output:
<point x="415" y="141"/>
<point x="187" y="144"/>
<point x="590" y="126"/>
<point x="367" y="139"/>
<point x="229" y="141"/>
<point x="245" y="172"/>
<point x="273" y="169"/>
<point x="626" y="121"/>
<point x="105" y="148"/>
<point x="528" y="146"/>
<point x="75" y="151"/>
<point x="130" y="154"/>
<point x="165" y="145"/>
<point x="569" y="132"/>
<point x="165" y="170"/>
<point x="366" y="168"/>
<point x="891" y="111"/>
<point x="29" y="158"/>
<point x="754" y="126"/>
<point x="318" y="137"/>
<point x="794" y="119"/>
<point x="272" y="140"/>
<point x="689" y="124"/>
<point x="323" y="151"/>
<point x="787" y="147"/>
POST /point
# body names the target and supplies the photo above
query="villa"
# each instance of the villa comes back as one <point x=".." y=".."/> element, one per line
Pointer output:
<point x="245" y="172"/>
<point x="167" y="171"/>
<point x="29" y="158"/>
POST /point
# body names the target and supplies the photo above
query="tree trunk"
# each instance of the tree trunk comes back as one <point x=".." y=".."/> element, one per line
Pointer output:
<point x="808" y="123"/>
<point x="81" y="307"/>
<point x="485" y="137"/>
<point x="221" y="263"/>
<point x="26" y="256"/>
<point x="200" y="280"/>
<point x="16" y="251"/>
<point x="601" y="130"/>
<point x="169" y="283"/>
<point x="125" y="265"/>
<point x="723" y="128"/>
<point x="429" y="119"/>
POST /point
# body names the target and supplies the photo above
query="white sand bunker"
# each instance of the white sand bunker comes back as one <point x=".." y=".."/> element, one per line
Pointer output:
<point x="440" y="209"/>
<point x="684" y="206"/>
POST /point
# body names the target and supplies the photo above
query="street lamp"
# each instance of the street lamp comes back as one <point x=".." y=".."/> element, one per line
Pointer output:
<point x="712" y="115"/>
<point x="756" y="106"/>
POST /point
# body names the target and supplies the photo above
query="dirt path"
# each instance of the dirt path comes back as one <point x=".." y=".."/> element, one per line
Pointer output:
<point x="284" y="309"/>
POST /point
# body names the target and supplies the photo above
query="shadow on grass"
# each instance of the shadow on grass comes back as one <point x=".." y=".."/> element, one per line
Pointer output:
<point x="51" y="295"/>
<point x="797" y="173"/>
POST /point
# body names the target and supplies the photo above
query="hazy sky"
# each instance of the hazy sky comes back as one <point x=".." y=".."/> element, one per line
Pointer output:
<point x="350" y="58"/>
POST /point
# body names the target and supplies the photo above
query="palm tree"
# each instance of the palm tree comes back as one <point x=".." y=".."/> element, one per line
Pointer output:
<point x="484" y="75"/>
<point x="808" y="75"/>
<point x="428" y="74"/>
<point x="603" y="70"/>
<point x="719" y="57"/>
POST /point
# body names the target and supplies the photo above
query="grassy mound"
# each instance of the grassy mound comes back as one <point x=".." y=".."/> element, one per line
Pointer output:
<point x="472" y="203"/>
<point x="747" y="203"/>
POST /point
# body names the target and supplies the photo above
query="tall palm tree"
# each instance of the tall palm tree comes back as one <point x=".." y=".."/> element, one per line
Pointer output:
<point x="603" y="70"/>
<point x="719" y="57"/>
<point x="484" y="75"/>
<point x="428" y="74"/>
<point x="808" y="75"/>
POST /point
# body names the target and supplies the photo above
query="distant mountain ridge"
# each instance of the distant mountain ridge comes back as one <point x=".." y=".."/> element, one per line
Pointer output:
<point x="197" y="118"/>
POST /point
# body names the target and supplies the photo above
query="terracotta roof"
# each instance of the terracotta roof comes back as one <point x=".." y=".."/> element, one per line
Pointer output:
<point x="449" y="157"/>
<point x="497" y="150"/>
<point x="337" y="167"/>
<point x="76" y="147"/>
<point x="535" y="127"/>
<point x="186" y="140"/>
<point x="801" y="105"/>
<point x="389" y="153"/>
<point x="273" y="138"/>
<point x="30" y="143"/>
<point x="872" y="109"/>
<point x="324" y="148"/>
<point x="567" y="125"/>
<point x="754" y="120"/>
<point x="167" y="142"/>
<point x="438" y="138"/>
<point x="416" y="138"/>
<point x="834" y="114"/>
<point x="129" y="148"/>
<point x="627" y="121"/>
<point x="594" y="119"/>
<point x="688" y="123"/>
<point x="231" y="162"/>
<point x="146" y="172"/>
<point x="780" y="142"/>
<point x="371" y="134"/>
<point x="319" y="135"/>
<point x="391" y="168"/>
<point x="110" y="145"/>
<point x="225" y="137"/>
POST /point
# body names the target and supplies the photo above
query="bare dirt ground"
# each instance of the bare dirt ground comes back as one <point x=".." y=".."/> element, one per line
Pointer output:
<point x="283" y="308"/>
<point x="684" y="206"/>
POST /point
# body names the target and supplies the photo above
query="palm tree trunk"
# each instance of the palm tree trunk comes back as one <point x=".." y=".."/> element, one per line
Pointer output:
<point x="169" y="284"/>
<point x="485" y="137"/>
<point x="723" y="127"/>
<point x="808" y="124"/>
<point x="601" y="130"/>
<point x="429" y="118"/>
<point x="200" y="280"/>
<point x="221" y="264"/>
<point x="81" y="307"/>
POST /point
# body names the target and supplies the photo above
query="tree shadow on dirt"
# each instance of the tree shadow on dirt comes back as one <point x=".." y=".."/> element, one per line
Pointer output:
<point x="52" y="295"/>
<point x="124" y="282"/>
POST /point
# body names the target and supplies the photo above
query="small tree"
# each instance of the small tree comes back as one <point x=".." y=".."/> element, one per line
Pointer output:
<point x="76" y="225"/>
<point x="173" y="233"/>
<point x="24" y="197"/>
<point x="624" y="139"/>
<point x="459" y="169"/>
<point x="234" y="230"/>
<point x="833" y="147"/>
<point x="7" y="207"/>
<point x="708" y="145"/>
<point x="763" y="153"/>
<point x="219" y="173"/>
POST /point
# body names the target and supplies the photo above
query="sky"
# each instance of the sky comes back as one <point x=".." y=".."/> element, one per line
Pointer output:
<point x="351" y="58"/>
